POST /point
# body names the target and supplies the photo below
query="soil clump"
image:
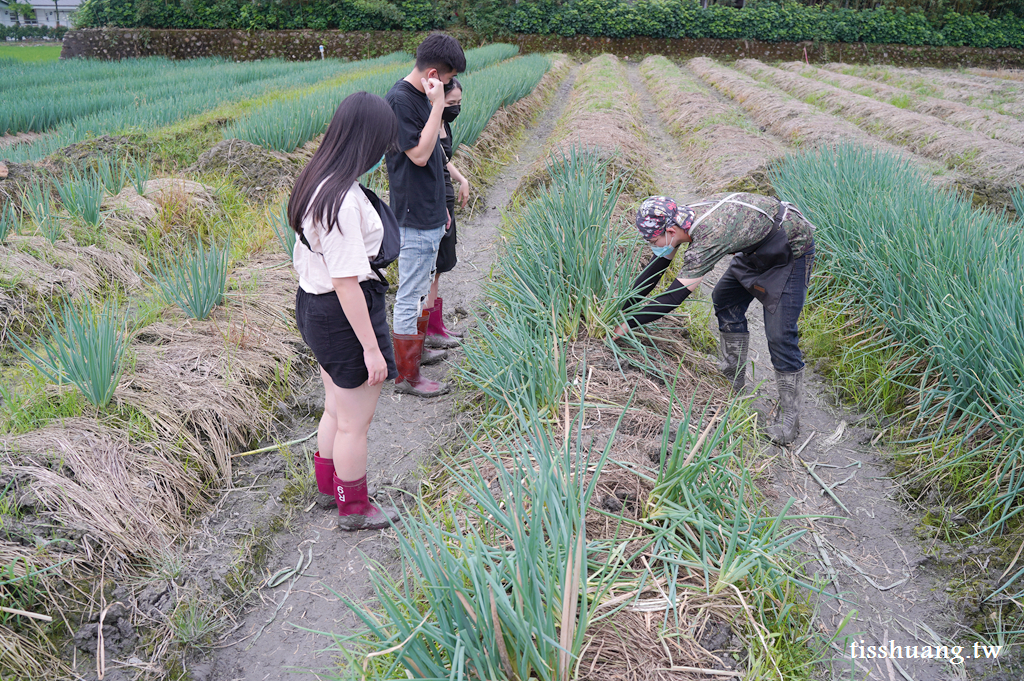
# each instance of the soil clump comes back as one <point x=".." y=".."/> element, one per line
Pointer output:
<point x="259" y="173"/>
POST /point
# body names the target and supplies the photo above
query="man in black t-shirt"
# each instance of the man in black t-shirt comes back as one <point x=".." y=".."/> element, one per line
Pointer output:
<point x="416" y="181"/>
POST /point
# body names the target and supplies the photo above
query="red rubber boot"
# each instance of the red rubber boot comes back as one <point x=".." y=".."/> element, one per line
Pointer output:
<point x="324" y="470"/>
<point x="356" y="511"/>
<point x="408" y="350"/>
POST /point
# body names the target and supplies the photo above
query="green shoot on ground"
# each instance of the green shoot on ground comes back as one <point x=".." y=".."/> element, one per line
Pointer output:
<point x="86" y="347"/>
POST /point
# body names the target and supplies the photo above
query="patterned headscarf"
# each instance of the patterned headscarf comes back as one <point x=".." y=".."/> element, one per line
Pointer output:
<point x="658" y="213"/>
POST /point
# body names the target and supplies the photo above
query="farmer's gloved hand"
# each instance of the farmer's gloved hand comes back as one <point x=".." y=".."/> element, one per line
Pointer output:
<point x="662" y="305"/>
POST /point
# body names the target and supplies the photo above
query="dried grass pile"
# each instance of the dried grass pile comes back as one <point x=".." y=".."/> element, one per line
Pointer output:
<point x="258" y="172"/>
<point x="1001" y="164"/>
<point x="725" y="151"/>
<point x="605" y="118"/>
<point x="794" y="121"/>
<point x="995" y="125"/>
<point x="203" y="384"/>
<point x="35" y="273"/>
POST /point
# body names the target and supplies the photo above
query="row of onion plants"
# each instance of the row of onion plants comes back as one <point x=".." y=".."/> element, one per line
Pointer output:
<point x="507" y="579"/>
<point x="942" y="280"/>
<point x="286" y="124"/>
<point x="149" y="93"/>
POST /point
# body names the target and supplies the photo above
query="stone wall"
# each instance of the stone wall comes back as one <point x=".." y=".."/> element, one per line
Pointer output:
<point x="122" y="43"/>
<point x="103" y="43"/>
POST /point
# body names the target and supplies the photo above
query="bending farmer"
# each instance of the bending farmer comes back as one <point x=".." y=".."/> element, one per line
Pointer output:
<point x="773" y="245"/>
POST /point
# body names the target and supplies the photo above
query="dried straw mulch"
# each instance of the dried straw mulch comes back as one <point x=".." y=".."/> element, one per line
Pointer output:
<point x="995" y="125"/>
<point x="725" y="152"/>
<point x="1000" y="163"/>
<point x="604" y="118"/>
<point x="40" y="274"/>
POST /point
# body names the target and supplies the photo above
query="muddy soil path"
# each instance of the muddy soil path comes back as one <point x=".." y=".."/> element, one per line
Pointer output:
<point x="405" y="434"/>
<point x="869" y="556"/>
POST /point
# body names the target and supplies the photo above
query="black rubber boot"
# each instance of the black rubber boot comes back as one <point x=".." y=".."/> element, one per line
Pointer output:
<point x="791" y="397"/>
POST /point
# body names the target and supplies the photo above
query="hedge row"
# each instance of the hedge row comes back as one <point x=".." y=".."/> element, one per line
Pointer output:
<point x="770" y="22"/>
<point x="260" y="15"/>
<point x="26" y="32"/>
<point x="767" y="21"/>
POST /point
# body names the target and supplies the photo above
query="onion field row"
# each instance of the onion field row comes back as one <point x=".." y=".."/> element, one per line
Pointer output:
<point x="486" y="91"/>
<point x="81" y="88"/>
<point x="167" y="98"/>
<point x="944" y="279"/>
<point x="936" y="278"/>
<point x="995" y="125"/>
<point x="287" y="124"/>
<point x="962" y="150"/>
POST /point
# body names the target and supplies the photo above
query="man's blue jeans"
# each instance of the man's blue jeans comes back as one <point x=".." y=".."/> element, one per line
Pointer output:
<point x="416" y="264"/>
<point x="731" y="301"/>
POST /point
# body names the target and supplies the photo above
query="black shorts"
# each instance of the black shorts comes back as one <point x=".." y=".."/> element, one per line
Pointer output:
<point x="334" y="343"/>
<point x="446" y="259"/>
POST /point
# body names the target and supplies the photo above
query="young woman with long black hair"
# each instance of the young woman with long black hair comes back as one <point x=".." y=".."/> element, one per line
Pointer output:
<point x="339" y="307"/>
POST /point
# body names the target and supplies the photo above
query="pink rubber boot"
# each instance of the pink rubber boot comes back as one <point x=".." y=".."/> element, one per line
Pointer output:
<point x="438" y="335"/>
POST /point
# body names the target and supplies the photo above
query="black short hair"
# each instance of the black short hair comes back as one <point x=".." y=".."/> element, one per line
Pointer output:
<point x="442" y="52"/>
<point x="453" y="84"/>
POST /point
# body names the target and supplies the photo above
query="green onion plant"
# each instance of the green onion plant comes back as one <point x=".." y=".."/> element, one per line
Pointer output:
<point x="37" y="200"/>
<point x="501" y="585"/>
<point x="81" y="194"/>
<point x="286" y="236"/>
<point x="86" y="347"/>
<point x="196" y="281"/>
<point x="113" y="174"/>
<point x="944" y="279"/>
<point x="703" y="515"/>
<point x="8" y="221"/>
<point x="140" y="171"/>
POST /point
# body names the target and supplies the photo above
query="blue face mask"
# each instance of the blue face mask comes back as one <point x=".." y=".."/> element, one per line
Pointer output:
<point x="663" y="251"/>
<point x="377" y="165"/>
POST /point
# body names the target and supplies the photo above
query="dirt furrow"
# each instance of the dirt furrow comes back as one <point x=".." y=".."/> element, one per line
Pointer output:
<point x="868" y="555"/>
<point x="279" y="635"/>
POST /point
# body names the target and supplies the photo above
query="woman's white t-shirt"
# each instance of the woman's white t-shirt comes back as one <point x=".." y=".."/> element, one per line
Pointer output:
<point x="345" y="251"/>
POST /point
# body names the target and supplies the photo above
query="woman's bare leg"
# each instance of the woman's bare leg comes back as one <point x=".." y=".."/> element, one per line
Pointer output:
<point x="354" y="413"/>
<point x="327" y="431"/>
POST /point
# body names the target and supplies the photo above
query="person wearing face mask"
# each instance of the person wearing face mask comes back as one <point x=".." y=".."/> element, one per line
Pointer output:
<point x="773" y="247"/>
<point x="418" y="197"/>
<point x="346" y="236"/>
<point x="438" y="335"/>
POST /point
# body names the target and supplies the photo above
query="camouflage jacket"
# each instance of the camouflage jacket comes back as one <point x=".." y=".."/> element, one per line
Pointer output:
<point x="732" y="227"/>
